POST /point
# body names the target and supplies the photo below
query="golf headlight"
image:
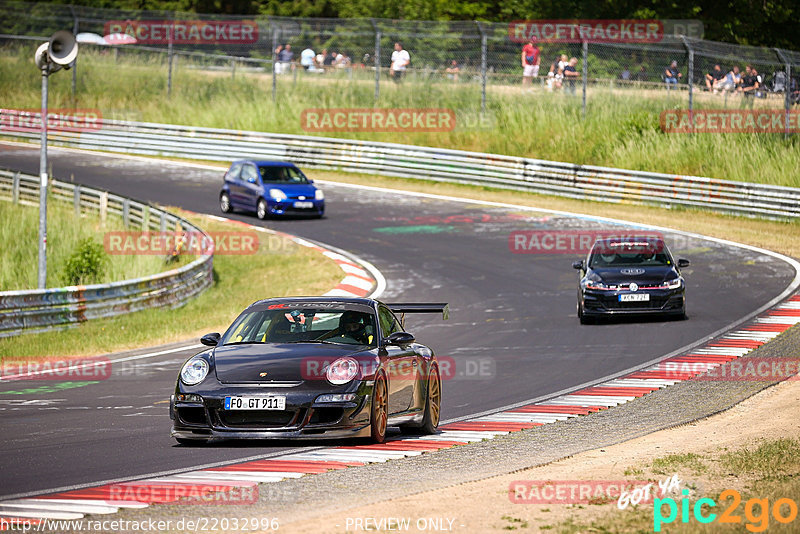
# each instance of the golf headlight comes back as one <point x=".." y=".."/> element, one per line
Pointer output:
<point x="594" y="284"/>
<point x="277" y="194"/>
<point x="675" y="283"/>
<point x="194" y="371"/>
<point x="342" y="371"/>
<point x="319" y="195"/>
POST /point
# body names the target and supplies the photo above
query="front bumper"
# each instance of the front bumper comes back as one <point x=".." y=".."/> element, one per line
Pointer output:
<point x="290" y="207"/>
<point x="606" y="302"/>
<point x="303" y="418"/>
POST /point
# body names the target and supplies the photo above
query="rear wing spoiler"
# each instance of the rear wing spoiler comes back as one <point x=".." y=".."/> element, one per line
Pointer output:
<point x="402" y="309"/>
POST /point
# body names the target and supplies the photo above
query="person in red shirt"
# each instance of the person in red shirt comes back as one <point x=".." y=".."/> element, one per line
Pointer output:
<point x="530" y="61"/>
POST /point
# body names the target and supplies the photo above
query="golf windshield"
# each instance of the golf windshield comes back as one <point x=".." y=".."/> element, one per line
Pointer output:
<point x="646" y="253"/>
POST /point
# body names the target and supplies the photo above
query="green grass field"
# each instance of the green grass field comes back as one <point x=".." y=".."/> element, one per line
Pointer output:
<point x="19" y="231"/>
<point x="621" y="128"/>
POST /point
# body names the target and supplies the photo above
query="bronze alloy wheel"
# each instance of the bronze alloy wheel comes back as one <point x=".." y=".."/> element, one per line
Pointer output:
<point x="380" y="410"/>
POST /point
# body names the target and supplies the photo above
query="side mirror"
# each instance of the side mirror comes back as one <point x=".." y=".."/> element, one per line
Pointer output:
<point x="400" y="338"/>
<point x="683" y="263"/>
<point x="577" y="265"/>
<point x="211" y="339"/>
<point x="310" y="181"/>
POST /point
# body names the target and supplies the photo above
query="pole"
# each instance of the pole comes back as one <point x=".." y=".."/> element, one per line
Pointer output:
<point x="483" y="66"/>
<point x="42" y="274"/>
<point x="75" y="28"/>
<point x="690" y="76"/>
<point x="274" y="64"/>
<point x="377" y="58"/>
<point x="787" y="90"/>
<point x="169" y="63"/>
<point x="585" y="75"/>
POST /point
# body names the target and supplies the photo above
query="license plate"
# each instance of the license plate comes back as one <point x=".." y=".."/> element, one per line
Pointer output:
<point x="634" y="297"/>
<point x="255" y="403"/>
<point x="303" y="204"/>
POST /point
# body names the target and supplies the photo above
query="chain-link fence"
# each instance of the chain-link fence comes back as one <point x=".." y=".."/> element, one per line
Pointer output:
<point x="487" y="56"/>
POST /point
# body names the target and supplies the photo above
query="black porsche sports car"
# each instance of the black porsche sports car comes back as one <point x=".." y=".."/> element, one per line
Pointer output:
<point x="631" y="275"/>
<point x="310" y="367"/>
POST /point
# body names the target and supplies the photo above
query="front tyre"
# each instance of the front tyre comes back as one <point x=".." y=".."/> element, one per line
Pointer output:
<point x="225" y="203"/>
<point x="379" y="412"/>
<point x="261" y="209"/>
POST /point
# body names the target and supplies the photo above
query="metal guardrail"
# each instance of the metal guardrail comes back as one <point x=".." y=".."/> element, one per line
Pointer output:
<point x="45" y="309"/>
<point x="437" y="164"/>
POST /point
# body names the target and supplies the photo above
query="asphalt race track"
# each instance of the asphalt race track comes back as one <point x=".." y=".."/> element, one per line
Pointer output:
<point x="513" y="331"/>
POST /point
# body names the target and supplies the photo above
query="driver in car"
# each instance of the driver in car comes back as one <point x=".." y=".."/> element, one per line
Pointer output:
<point x="352" y="325"/>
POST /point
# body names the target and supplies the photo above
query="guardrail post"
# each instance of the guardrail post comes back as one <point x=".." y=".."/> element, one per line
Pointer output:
<point x="126" y="212"/>
<point x="483" y="65"/>
<point x="690" y="81"/>
<point x="787" y="91"/>
<point x="76" y="200"/>
<point x="585" y="76"/>
<point x="146" y="218"/>
<point x="377" y="59"/>
<point x="15" y="188"/>
<point x="233" y="69"/>
<point x="103" y="207"/>
<point x="163" y="222"/>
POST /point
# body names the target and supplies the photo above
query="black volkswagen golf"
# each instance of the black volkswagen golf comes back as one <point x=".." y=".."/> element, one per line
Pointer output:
<point x="630" y="275"/>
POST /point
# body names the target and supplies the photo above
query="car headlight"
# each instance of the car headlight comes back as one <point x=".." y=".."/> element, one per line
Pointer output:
<point x="194" y="371"/>
<point x="342" y="371"/>
<point x="675" y="283"/>
<point x="277" y="194"/>
<point x="593" y="284"/>
<point x="319" y="195"/>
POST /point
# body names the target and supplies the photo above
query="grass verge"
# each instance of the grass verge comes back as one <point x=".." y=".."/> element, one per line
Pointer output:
<point x="621" y="127"/>
<point x="279" y="268"/>
<point x="19" y="231"/>
<point x="750" y="484"/>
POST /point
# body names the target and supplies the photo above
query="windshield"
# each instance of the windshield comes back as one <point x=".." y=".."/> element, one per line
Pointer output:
<point x="282" y="175"/>
<point x="629" y="254"/>
<point x="302" y="325"/>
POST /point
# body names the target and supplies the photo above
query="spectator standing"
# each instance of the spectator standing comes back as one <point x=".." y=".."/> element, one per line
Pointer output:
<point x="715" y="79"/>
<point x="750" y="84"/>
<point x="400" y="61"/>
<point x="571" y="74"/>
<point x="672" y="75"/>
<point x="285" y="57"/>
<point x="530" y="61"/>
<point x="307" y="59"/>
<point x="453" y="70"/>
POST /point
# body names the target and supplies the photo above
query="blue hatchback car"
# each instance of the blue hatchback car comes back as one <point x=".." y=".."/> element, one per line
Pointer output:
<point x="270" y="188"/>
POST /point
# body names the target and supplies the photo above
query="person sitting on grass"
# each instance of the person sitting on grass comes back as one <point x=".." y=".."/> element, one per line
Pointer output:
<point x="672" y="75"/>
<point x="715" y="79"/>
<point x="751" y="81"/>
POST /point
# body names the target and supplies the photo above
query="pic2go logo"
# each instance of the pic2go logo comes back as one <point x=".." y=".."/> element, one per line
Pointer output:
<point x="756" y="511"/>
